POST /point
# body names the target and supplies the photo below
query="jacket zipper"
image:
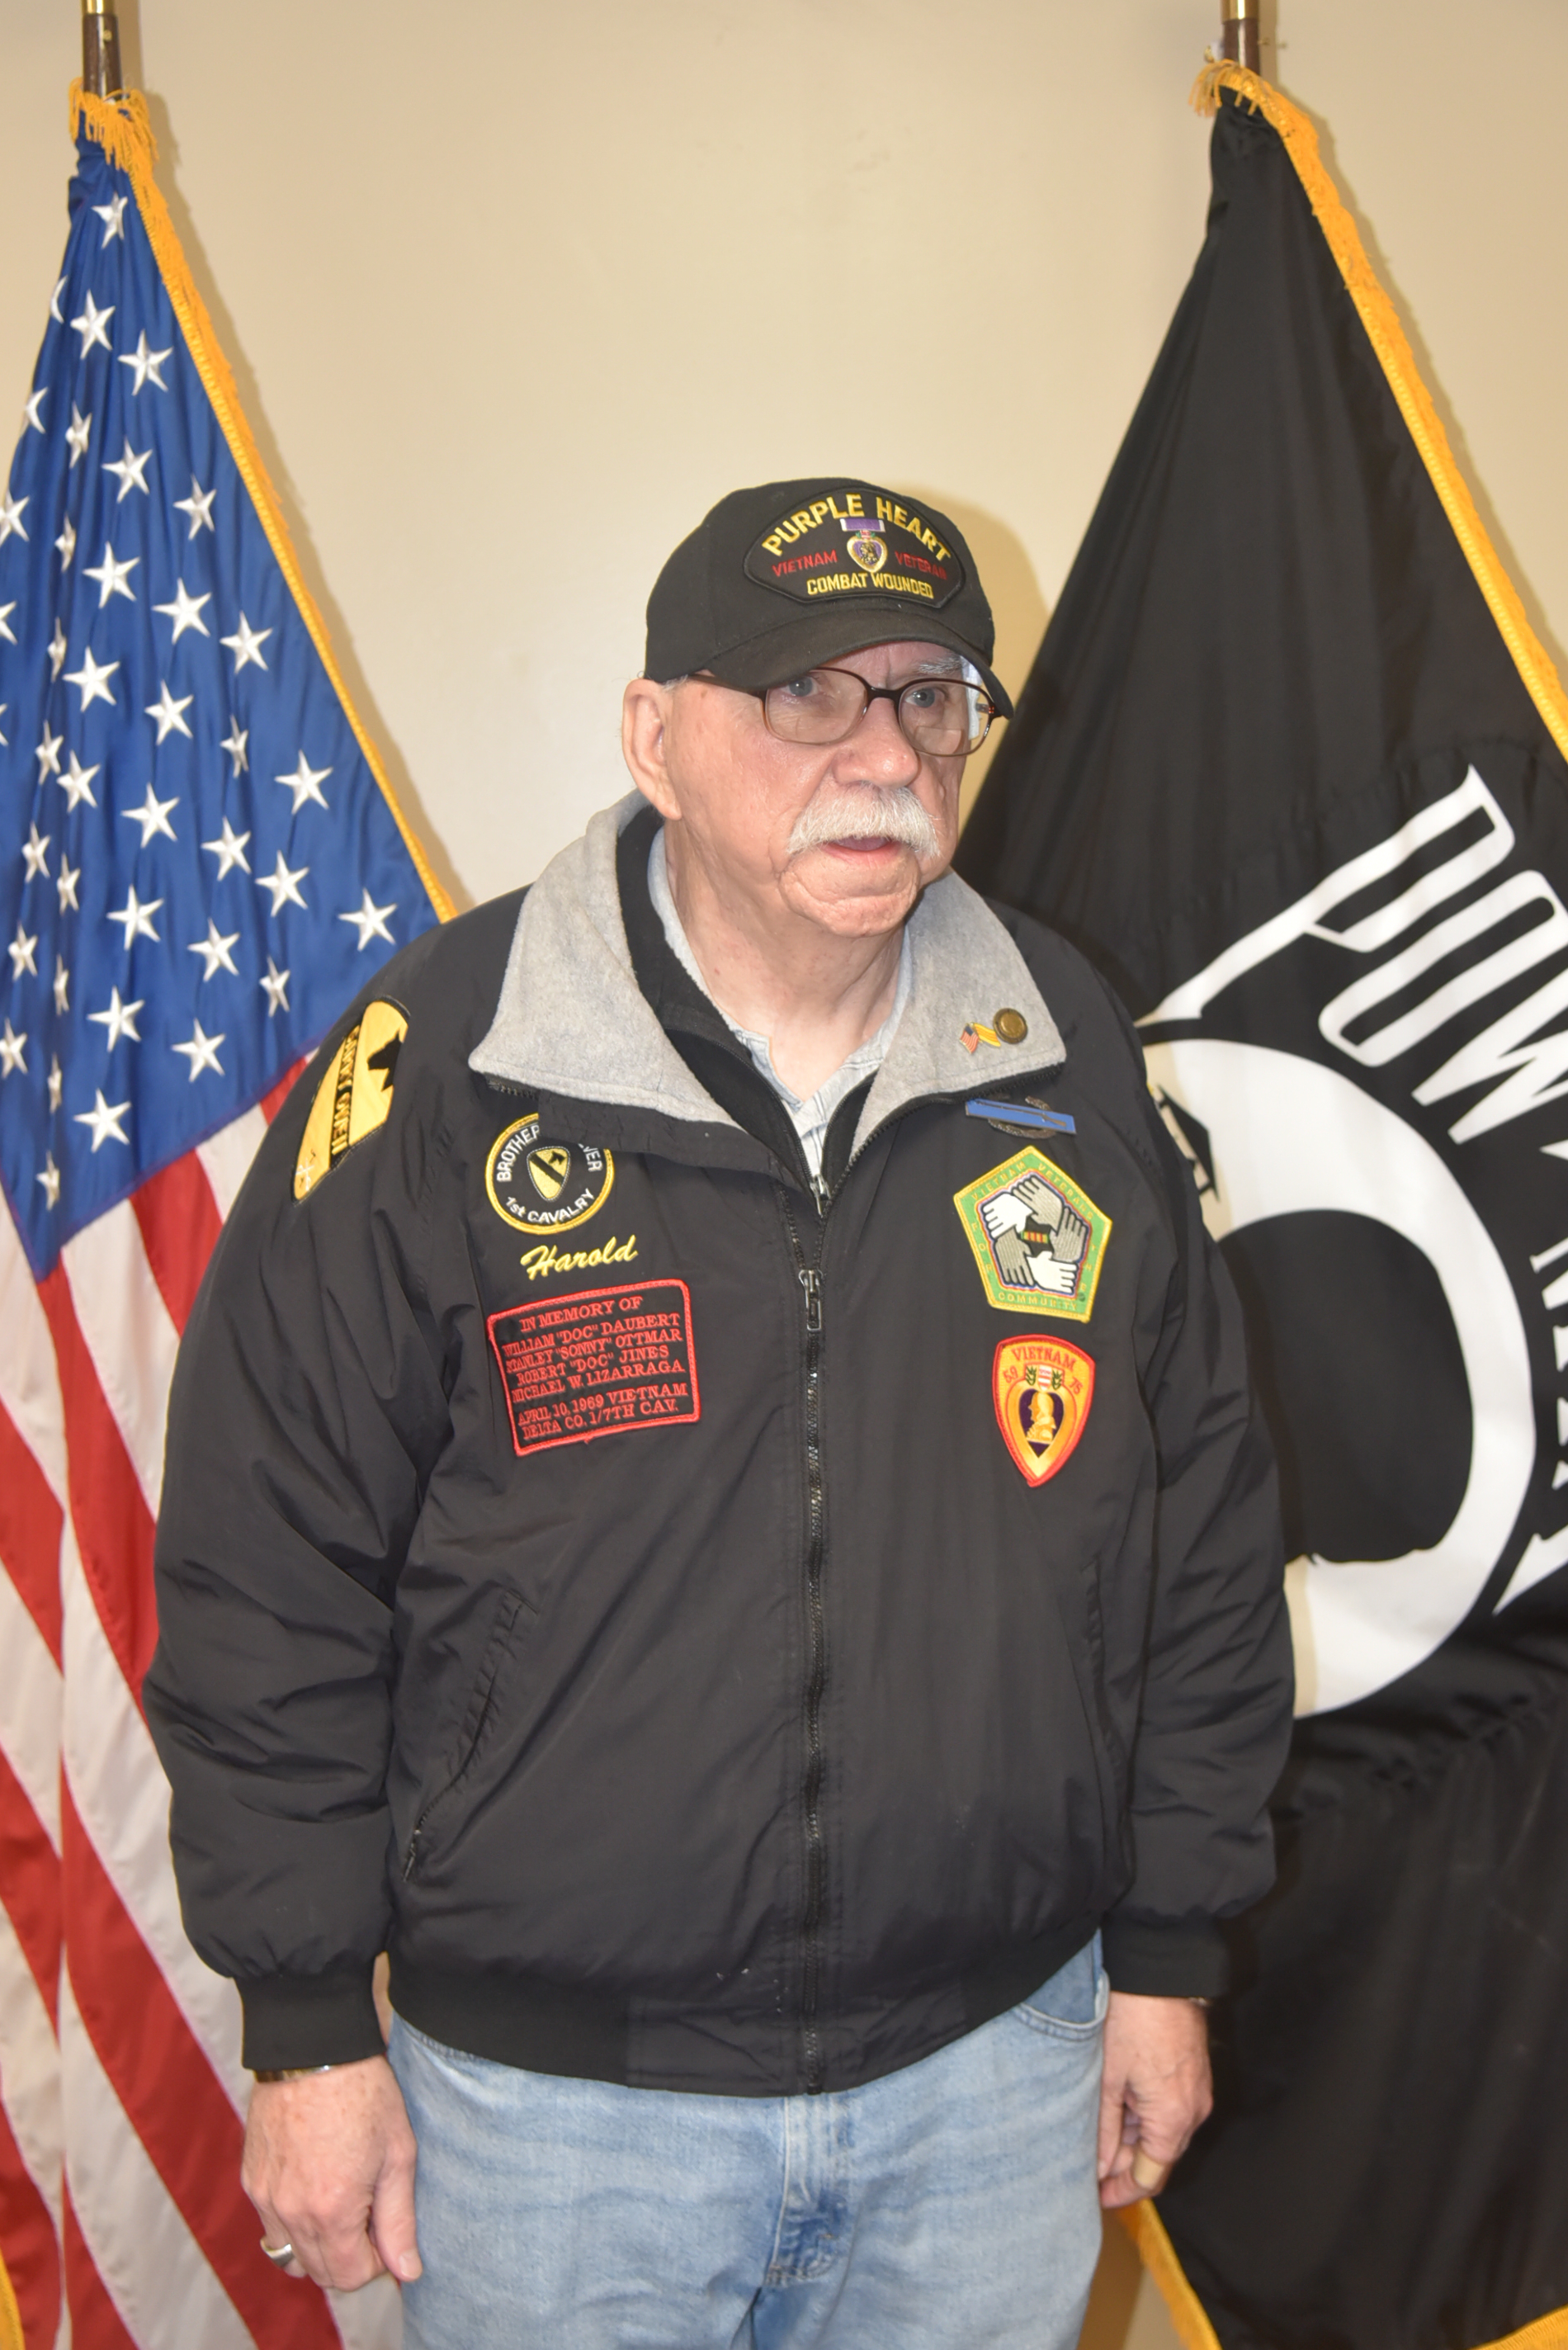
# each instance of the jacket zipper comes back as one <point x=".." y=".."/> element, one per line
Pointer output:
<point x="809" y="1274"/>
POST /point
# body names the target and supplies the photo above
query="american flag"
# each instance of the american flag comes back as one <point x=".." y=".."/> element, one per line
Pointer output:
<point x="200" y="865"/>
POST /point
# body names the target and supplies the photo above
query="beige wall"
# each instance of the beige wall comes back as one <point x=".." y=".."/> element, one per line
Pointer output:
<point x="515" y="291"/>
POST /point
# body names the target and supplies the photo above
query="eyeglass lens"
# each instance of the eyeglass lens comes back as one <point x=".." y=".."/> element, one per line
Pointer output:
<point x="941" y="716"/>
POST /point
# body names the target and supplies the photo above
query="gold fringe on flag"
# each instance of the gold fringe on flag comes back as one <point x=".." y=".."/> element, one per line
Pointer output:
<point x="1157" y="2253"/>
<point x="1388" y="339"/>
<point x="122" y="128"/>
<point x="10" y="2315"/>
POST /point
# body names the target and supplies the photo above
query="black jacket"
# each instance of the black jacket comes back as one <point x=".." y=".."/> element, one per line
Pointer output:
<point x="708" y="1642"/>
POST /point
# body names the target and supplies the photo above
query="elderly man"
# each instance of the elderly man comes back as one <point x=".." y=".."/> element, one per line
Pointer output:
<point x="714" y="1512"/>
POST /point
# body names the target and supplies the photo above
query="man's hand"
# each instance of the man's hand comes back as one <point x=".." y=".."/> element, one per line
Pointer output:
<point x="330" y="2165"/>
<point x="1156" y="2091"/>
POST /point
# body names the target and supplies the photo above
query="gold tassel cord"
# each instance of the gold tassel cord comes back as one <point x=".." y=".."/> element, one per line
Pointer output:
<point x="122" y="128"/>
<point x="10" y="2315"/>
<point x="1397" y="361"/>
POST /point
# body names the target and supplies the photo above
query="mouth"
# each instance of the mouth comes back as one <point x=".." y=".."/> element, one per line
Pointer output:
<point x="865" y="845"/>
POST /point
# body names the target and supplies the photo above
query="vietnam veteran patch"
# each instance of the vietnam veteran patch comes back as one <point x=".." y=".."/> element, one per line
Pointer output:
<point x="1042" y="1389"/>
<point x="599" y="1361"/>
<point x="355" y="1094"/>
<point x="1037" y="1239"/>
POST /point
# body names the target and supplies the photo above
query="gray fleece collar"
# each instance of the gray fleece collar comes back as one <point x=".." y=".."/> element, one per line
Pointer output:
<point x="571" y="1019"/>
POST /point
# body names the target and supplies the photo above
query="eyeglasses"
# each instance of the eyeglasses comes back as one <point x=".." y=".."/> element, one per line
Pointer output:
<point x="944" y="717"/>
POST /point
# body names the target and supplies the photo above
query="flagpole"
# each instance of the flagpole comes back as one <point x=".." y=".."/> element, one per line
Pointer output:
<point x="1239" y="33"/>
<point x="100" y="47"/>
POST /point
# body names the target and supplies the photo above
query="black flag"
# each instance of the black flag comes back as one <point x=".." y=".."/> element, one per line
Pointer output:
<point x="1291" y="767"/>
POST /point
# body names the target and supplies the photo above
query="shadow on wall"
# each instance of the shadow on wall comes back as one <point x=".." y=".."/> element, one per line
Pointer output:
<point x="1016" y="603"/>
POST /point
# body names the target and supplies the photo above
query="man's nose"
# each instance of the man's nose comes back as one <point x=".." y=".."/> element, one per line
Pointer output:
<point x="879" y="751"/>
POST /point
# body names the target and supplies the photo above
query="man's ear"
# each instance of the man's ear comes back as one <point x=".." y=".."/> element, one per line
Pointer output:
<point x="644" y="734"/>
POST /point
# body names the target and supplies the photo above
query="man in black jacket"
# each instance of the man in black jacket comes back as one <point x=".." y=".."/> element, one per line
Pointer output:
<point x="754" y="1567"/>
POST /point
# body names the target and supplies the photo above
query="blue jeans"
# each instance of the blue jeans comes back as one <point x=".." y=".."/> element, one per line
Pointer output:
<point x="946" y="2207"/>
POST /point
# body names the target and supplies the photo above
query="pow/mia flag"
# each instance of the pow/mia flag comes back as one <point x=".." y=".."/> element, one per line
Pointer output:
<point x="1291" y="768"/>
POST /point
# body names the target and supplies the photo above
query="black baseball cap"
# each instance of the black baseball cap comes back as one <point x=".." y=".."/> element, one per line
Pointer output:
<point x="778" y="579"/>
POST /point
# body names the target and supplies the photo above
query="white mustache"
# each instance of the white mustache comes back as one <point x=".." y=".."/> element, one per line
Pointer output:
<point x="865" y="812"/>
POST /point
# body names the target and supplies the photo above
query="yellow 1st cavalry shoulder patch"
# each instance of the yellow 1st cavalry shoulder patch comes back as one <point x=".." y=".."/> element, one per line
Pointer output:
<point x="543" y="1187"/>
<point x="355" y="1095"/>
<point x="1038" y="1240"/>
<point x="1042" y="1389"/>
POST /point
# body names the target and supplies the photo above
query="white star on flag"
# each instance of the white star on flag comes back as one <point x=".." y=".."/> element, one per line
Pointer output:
<point x="104" y="1120"/>
<point x="91" y="681"/>
<point x="305" y="784"/>
<point x="120" y="1019"/>
<point x="234" y="744"/>
<point x="112" y="215"/>
<point x="12" y="1051"/>
<point x="137" y="918"/>
<point x="66" y="884"/>
<point x="128" y="469"/>
<point x="229" y="849"/>
<point x="281" y="882"/>
<point x="5" y="739"/>
<point x="202" y="1052"/>
<point x="5" y="612"/>
<point x="50" y="1180"/>
<point x="66" y="543"/>
<point x="275" y="987"/>
<point x="214" y="951"/>
<point x="93" y="326"/>
<point x="35" y="854"/>
<point x="77" y="433"/>
<point x="167" y="711"/>
<point x="198" y="506"/>
<point x="146" y="363"/>
<point x="35" y="423"/>
<point x="56" y="649"/>
<point x="76" y="784"/>
<point x="112" y="576"/>
<point x="55" y="299"/>
<point x="152" y="815"/>
<point x="247" y="643"/>
<point x="185" y="611"/>
<point x="21" y="953"/>
<point x="57" y="1082"/>
<point x="48" y="753"/>
<point x="370" y="921"/>
<point x="62" y="985"/>
<point x="11" y="512"/>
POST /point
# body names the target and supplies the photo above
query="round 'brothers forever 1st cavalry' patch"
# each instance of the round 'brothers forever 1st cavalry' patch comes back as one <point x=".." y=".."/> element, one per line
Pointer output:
<point x="545" y="1187"/>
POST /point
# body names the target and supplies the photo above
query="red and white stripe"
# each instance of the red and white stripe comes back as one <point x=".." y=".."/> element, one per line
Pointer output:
<point x="121" y="2097"/>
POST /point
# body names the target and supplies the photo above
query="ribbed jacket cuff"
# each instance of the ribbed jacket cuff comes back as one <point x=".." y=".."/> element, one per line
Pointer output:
<point x="1186" y="1959"/>
<point x="309" y="2019"/>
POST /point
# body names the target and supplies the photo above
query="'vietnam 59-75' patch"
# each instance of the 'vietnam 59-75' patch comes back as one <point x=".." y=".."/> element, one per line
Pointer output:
<point x="1037" y="1239"/>
<point x="543" y="1187"/>
<point x="355" y="1095"/>
<point x="1042" y="1389"/>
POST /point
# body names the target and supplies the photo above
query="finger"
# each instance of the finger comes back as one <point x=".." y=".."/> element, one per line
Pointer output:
<point x="393" y="2222"/>
<point x="1112" y="2111"/>
<point x="1147" y="2172"/>
<point x="340" y="2258"/>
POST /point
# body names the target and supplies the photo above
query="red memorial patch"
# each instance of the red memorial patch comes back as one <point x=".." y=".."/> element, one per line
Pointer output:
<point x="1042" y="1389"/>
<point x="602" y="1359"/>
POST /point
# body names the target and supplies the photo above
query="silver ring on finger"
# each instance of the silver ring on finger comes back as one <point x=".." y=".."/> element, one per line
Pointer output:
<point x="279" y="2255"/>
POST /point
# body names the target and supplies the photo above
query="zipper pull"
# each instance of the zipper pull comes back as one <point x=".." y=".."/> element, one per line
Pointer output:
<point x="821" y="1195"/>
<point x="812" y="1285"/>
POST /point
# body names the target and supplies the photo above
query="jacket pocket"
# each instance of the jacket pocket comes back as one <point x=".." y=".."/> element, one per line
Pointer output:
<point x="1086" y="1648"/>
<point x="514" y="1619"/>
